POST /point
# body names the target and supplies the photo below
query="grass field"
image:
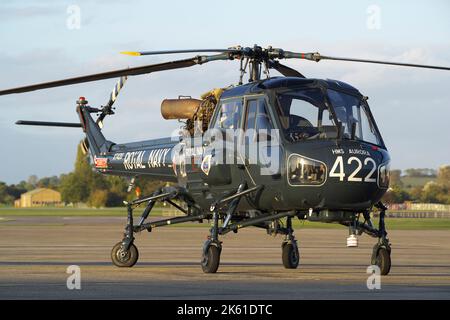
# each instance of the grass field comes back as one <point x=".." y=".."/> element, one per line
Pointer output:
<point x="392" y="223"/>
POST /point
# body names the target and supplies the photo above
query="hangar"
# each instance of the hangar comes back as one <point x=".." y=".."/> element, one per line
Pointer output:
<point x="40" y="197"/>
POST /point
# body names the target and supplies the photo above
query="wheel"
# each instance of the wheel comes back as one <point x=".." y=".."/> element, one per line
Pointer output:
<point x="383" y="261"/>
<point x="290" y="255"/>
<point x="123" y="258"/>
<point x="211" y="260"/>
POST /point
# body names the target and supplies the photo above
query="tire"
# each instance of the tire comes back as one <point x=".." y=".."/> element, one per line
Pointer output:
<point x="124" y="259"/>
<point x="211" y="261"/>
<point x="383" y="261"/>
<point x="290" y="256"/>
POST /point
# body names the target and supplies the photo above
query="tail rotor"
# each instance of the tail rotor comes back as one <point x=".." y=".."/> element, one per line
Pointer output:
<point x="108" y="108"/>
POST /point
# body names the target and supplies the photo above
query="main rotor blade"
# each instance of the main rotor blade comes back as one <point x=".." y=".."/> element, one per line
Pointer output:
<point x="148" y="53"/>
<point x="284" y="70"/>
<point x="317" y="57"/>
<point x="48" y="124"/>
<point x="386" y="62"/>
<point x="110" y="74"/>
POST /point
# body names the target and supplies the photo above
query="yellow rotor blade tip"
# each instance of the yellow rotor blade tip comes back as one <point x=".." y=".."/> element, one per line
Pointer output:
<point x="131" y="53"/>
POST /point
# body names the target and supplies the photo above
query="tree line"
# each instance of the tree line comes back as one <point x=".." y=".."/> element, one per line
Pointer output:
<point x="437" y="190"/>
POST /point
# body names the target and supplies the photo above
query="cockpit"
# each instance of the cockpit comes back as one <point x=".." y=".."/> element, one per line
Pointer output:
<point x="309" y="113"/>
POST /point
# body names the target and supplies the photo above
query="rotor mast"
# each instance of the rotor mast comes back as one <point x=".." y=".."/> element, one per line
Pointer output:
<point x="256" y="55"/>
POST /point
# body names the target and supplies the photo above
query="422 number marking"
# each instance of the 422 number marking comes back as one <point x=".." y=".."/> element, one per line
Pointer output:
<point x="337" y="171"/>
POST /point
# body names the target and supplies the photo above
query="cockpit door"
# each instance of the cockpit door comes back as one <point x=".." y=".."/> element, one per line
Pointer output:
<point x="260" y="150"/>
<point x="220" y="164"/>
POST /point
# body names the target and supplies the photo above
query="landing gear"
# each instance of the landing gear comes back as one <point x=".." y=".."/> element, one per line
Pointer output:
<point x="122" y="257"/>
<point x="211" y="258"/>
<point x="290" y="254"/>
<point x="212" y="247"/>
<point x="125" y="253"/>
<point x="381" y="255"/>
<point x="383" y="261"/>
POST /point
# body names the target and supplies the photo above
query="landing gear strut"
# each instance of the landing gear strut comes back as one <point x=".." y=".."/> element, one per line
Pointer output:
<point x="212" y="247"/>
<point x="125" y="253"/>
<point x="381" y="255"/>
<point x="290" y="254"/>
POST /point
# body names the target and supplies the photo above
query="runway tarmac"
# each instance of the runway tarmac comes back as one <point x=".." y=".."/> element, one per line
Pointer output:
<point x="36" y="251"/>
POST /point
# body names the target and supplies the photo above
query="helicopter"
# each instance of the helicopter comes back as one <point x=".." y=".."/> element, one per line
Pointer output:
<point x="256" y="154"/>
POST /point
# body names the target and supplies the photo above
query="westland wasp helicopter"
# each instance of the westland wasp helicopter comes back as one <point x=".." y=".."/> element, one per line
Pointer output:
<point x="333" y="163"/>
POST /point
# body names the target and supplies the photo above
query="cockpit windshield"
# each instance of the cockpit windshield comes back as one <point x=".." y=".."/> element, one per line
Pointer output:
<point x="355" y="117"/>
<point x="305" y="115"/>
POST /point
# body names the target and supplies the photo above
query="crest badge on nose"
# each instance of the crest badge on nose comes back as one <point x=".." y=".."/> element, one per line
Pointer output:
<point x="206" y="164"/>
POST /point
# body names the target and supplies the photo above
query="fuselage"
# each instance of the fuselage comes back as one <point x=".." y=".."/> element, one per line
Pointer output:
<point x="332" y="159"/>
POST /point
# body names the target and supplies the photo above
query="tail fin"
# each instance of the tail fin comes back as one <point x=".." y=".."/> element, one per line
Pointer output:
<point x="97" y="143"/>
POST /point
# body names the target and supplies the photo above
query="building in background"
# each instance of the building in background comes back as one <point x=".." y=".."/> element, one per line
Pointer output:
<point x="40" y="197"/>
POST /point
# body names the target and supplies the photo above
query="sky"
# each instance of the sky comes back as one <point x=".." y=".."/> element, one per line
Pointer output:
<point x="43" y="41"/>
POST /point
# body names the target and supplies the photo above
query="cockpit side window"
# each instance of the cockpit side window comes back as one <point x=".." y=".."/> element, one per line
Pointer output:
<point x="229" y="114"/>
<point x="258" y="118"/>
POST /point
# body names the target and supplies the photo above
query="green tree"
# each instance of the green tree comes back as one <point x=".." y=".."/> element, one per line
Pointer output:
<point x="117" y="190"/>
<point x="49" y="182"/>
<point x="9" y="193"/>
<point x="77" y="186"/>
<point x="5" y="197"/>
<point x="431" y="192"/>
<point x="32" y="181"/>
<point x="395" y="195"/>
<point x="73" y="189"/>
<point x="98" y="198"/>
<point x="395" y="178"/>
<point x="443" y="177"/>
<point x="415" y="194"/>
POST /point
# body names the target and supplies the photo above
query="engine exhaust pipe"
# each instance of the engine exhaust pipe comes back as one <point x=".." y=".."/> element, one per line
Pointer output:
<point x="179" y="108"/>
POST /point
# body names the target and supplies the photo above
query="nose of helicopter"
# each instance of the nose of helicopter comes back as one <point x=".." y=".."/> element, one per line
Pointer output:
<point x="351" y="175"/>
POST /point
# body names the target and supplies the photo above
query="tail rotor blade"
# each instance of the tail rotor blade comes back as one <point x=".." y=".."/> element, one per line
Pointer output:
<point x="107" y="109"/>
<point x="119" y="85"/>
